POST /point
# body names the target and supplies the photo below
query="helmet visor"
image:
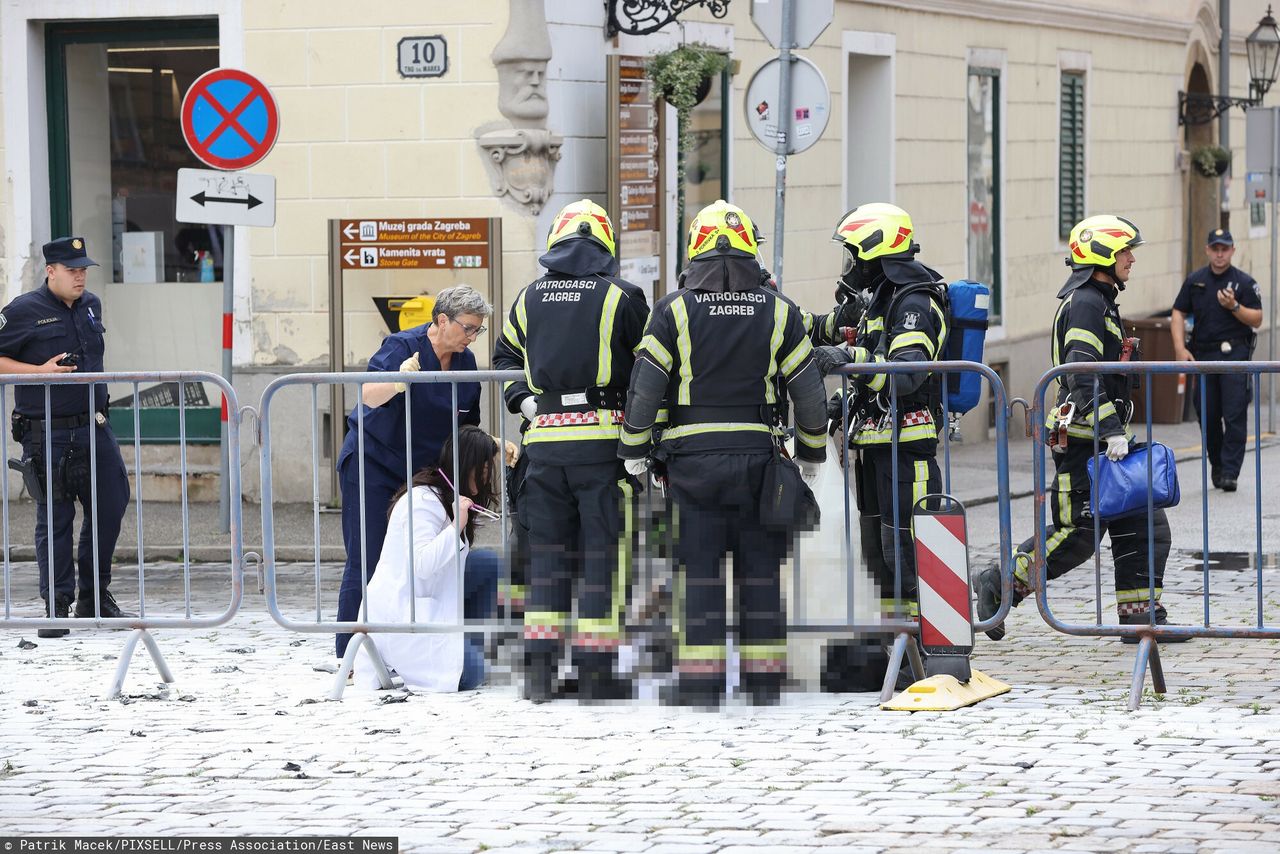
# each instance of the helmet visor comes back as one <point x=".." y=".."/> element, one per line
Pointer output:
<point x="846" y="267"/>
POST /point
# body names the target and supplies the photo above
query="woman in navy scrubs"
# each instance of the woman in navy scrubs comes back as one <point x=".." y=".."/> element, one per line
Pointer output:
<point x="442" y="345"/>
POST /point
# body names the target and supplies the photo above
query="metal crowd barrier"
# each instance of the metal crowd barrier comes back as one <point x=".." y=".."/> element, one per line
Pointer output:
<point x="1150" y="635"/>
<point x="904" y="628"/>
<point x="319" y="621"/>
<point x="360" y="629"/>
<point x="141" y="625"/>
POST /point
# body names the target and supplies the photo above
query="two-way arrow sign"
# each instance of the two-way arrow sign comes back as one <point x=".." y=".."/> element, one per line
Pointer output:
<point x="225" y="198"/>
<point x="201" y="199"/>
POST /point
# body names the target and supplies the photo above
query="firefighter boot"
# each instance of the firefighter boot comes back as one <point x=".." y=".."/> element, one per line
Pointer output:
<point x="1143" y="618"/>
<point x="540" y="676"/>
<point x="763" y="689"/>
<point x="597" y="682"/>
<point x="989" y="600"/>
<point x="701" y="692"/>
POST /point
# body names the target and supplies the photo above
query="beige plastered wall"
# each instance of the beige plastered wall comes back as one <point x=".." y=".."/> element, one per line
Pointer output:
<point x="358" y="141"/>
<point x="1134" y="71"/>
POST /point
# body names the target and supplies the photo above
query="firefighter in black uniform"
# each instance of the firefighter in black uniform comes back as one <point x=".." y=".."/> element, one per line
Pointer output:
<point x="58" y="329"/>
<point x="719" y="351"/>
<point x="1225" y="304"/>
<point x="1087" y="328"/>
<point x="905" y="321"/>
<point x="573" y="333"/>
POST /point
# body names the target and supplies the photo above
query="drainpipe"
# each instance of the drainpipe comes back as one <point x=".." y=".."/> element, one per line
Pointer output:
<point x="1224" y="120"/>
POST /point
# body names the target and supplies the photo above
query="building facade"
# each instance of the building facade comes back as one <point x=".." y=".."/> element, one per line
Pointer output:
<point x="996" y="123"/>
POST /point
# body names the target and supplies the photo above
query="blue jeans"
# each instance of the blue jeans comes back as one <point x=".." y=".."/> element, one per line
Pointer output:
<point x="479" y="601"/>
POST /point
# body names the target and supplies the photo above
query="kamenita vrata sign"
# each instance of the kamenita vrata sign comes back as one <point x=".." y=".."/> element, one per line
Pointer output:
<point x="414" y="244"/>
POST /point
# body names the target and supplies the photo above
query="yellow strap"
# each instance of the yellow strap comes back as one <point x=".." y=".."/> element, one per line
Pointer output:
<point x="685" y="348"/>
<point x="714" y="427"/>
<point x="1084" y="336"/>
<point x="649" y="344"/>
<point x="604" y="368"/>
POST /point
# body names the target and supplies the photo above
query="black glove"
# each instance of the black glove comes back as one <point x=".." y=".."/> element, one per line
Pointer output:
<point x="828" y="358"/>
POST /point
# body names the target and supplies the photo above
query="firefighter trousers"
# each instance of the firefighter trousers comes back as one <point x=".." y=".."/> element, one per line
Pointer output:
<point x="578" y="519"/>
<point x="879" y="491"/>
<point x="1069" y="541"/>
<point x="717" y="500"/>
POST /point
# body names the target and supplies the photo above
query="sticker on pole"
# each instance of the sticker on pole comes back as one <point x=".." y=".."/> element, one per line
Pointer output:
<point x="229" y="119"/>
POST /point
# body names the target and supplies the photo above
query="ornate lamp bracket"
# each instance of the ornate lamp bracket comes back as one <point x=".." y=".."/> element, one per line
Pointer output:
<point x="641" y="17"/>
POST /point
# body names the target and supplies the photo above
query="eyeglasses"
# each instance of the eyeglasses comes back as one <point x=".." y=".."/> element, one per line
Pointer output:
<point x="471" y="331"/>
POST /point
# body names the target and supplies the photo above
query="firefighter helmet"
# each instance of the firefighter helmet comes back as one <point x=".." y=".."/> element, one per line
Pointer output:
<point x="875" y="230"/>
<point x="1096" y="240"/>
<point x="722" y="227"/>
<point x="584" y="219"/>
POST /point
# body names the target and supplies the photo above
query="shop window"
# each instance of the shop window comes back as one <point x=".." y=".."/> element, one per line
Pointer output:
<point x="115" y="140"/>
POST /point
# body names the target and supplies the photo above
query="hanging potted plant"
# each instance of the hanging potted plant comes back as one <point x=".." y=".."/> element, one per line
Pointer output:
<point x="683" y="77"/>
<point x="1211" y="160"/>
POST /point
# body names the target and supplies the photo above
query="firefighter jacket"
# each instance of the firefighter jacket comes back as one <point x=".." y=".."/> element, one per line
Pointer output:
<point x="916" y="332"/>
<point x="721" y="352"/>
<point x="573" y="333"/>
<point x="1087" y="328"/>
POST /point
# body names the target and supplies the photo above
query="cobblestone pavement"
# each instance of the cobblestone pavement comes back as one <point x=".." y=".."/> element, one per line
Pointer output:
<point x="244" y="742"/>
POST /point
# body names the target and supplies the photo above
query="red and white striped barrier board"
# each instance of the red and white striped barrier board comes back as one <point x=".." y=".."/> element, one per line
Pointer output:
<point x="942" y="568"/>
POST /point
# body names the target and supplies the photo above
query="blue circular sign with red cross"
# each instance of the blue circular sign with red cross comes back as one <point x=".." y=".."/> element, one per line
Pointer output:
<point x="229" y="119"/>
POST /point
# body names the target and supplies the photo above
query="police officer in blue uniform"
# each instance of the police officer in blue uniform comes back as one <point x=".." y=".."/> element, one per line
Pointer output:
<point x="1226" y="307"/>
<point x="52" y="330"/>
<point x="441" y="345"/>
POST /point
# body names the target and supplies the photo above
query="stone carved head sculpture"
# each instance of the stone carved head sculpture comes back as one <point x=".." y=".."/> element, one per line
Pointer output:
<point x="521" y="59"/>
<point x="521" y="158"/>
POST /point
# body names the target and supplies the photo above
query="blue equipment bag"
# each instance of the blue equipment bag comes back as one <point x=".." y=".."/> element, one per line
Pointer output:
<point x="1122" y="486"/>
<point x="969" y="312"/>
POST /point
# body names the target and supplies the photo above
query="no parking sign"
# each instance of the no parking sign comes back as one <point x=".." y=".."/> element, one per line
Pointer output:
<point x="229" y="119"/>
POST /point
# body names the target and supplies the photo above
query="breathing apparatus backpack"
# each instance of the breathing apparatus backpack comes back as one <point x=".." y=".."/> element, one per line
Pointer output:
<point x="967" y="306"/>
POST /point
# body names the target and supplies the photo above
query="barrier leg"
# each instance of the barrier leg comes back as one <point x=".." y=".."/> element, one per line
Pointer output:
<point x="913" y="657"/>
<point x="1148" y="656"/>
<point x="126" y="656"/>
<point x="895" y="664"/>
<point x="349" y="660"/>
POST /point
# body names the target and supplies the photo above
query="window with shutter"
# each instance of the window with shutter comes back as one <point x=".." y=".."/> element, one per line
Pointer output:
<point x="1070" y="153"/>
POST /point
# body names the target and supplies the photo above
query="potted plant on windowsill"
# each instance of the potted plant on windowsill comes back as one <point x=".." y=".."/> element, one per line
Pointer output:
<point x="1211" y="161"/>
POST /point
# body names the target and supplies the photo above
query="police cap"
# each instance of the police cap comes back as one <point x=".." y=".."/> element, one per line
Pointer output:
<point x="1220" y="237"/>
<point x="68" y="251"/>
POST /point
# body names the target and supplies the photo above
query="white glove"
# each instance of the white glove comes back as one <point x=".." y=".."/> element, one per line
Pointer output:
<point x="1117" y="448"/>
<point x="636" y="468"/>
<point x="409" y="364"/>
<point x="529" y="408"/>
<point x="809" y="470"/>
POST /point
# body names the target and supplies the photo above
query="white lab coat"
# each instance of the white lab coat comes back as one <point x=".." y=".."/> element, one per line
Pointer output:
<point x="433" y="661"/>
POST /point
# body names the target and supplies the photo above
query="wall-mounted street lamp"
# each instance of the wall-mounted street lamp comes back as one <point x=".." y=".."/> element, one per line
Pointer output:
<point x="641" y="17"/>
<point x="1263" y="50"/>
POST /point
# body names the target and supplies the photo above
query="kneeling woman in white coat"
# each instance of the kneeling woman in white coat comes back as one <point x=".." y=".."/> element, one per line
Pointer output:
<point x="428" y="572"/>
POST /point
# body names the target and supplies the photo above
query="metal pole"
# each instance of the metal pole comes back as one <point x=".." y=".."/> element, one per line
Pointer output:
<point x="783" y="138"/>
<point x="1224" y="121"/>
<point x="1271" y="327"/>
<point x="228" y="307"/>
<point x="337" y="362"/>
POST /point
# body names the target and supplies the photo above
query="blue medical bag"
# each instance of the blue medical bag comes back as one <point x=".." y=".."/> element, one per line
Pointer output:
<point x="1121" y="486"/>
